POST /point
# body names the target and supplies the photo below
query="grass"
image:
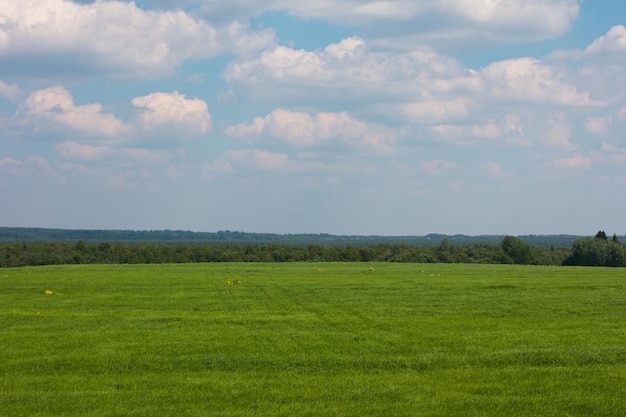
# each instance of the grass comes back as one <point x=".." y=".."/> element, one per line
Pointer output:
<point x="312" y="339"/>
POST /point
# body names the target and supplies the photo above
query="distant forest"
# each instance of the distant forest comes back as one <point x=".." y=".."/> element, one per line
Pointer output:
<point x="32" y="246"/>
<point x="227" y="237"/>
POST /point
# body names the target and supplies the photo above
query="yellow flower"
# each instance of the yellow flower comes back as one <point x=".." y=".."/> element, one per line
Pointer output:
<point x="49" y="292"/>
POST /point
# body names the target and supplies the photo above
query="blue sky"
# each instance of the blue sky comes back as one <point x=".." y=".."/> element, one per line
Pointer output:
<point x="357" y="117"/>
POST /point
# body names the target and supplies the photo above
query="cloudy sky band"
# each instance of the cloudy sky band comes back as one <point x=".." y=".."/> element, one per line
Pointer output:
<point x="178" y="102"/>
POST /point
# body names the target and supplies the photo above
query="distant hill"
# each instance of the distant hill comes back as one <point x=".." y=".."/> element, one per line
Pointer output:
<point x="43" y="235"/>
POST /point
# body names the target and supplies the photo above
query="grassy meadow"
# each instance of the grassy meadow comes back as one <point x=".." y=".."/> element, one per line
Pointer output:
<point x="312" y="339"/>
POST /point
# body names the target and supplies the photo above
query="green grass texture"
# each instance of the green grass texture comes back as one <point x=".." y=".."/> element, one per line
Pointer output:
<point x="312" y="339"/>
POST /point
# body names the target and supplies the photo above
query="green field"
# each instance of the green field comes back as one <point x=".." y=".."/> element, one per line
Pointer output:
<point x="312" y="339"/>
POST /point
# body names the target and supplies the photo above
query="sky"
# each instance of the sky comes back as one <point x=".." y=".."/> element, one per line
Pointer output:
<point x="349" y="117"/>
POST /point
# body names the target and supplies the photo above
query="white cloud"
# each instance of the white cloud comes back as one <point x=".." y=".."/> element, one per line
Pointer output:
<point x="30" y="175"/>
<point x="437" y="167"/>
<point x="496" y="171"/>
<point x="296" y="128"/>
<point x="404" y="22"/>
<point x="418" y="87"/>
<point x="508" y="129"/>
<point x="610" y="154"/>
<point x="514" y="130"/>
<point x="551" y="17"/>
<point x="174" y="112"/>
<point x="52" y="111"/>
<point x="121" y="182"/>
<point x="218" y="167"/>
<point x="111" y="162"/>
<point x="574" y="162"/>
<point x="558" y="131"/>
<point x="436" y="111"/>
<point x="552" y="130"/>
<point x="611" y="44"/>
<point x="240" y="40"/>
<point x="599" y="68"/>
<point x="10" y="91"/>
<point x="39" y="162"/>
<point x="257" y="159"/>
<point x="54" y="108"/>
<point x="10" y="165"/>
<point x="349" y="70"/>
<point x="527" y="79"/>
<point x="252" y="159"/>
<point x="465" y="134"/>
<point x="75" y="150"/>
<point x="149" y="156"/>
<point x="111" y="37"/>
<point x="304" y="130"/>
<point x="598" y="125"/>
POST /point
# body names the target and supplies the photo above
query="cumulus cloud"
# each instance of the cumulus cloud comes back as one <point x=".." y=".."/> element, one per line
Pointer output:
<point x="608" y="127"/>
<point x="517" y="101"/>
<point x="113" y="37"/>
<point x="415" y="87"/>
<point x="349" y="69"/>
<point x="240" y="40"/>
<point x="54" y="108"/>
<point x="87" y="132"/>
<point x="404" y="23"/>
<point x="304" y="130"/>
<point x="528" y="79"/>
<point x="598" y="68"/>
<point x="174" y="112"/>
<point x="614" y="42"/>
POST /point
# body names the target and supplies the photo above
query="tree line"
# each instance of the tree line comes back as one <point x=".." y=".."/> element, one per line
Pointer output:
<point x="598" y="251"/>
<point x="228" y="237"/>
